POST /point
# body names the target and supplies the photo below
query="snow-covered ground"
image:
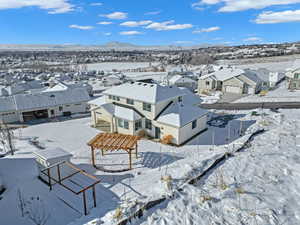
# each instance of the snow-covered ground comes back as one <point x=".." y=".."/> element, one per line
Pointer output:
<point x="258" y="186"/>
<point x="142" y="183"/>
<point x="109" y="66"/>
<point x="280" y="94"/>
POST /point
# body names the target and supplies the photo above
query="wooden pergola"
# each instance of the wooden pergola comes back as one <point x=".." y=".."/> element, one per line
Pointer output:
<point x="55" y="175"/>
<point x="114" y="142"/>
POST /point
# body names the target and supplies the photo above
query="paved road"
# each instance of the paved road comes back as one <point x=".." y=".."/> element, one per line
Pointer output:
<point x="249" y="106"/>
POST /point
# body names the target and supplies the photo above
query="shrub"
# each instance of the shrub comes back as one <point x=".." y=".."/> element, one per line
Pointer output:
<point x="167" y="139"/>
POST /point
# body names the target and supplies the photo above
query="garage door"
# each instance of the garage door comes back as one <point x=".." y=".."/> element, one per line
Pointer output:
<point x="233" y="89"/>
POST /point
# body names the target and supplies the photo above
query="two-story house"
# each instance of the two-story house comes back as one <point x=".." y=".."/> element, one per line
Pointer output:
<point x="160" y="111"/>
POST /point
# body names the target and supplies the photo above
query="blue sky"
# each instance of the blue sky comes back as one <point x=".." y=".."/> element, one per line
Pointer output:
<point x="155" y="22"/>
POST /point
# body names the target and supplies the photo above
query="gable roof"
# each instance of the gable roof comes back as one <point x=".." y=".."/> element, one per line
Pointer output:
<point x="181" y="79"/>
<point x="224" y="74"/>
<point x="179" y="114"/>
<point x="145" y="92"/>
<point x="122" y="112"/>
<point x="43" y="99"/>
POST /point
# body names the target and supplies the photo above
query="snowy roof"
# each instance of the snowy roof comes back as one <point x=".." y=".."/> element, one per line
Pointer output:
<point x="180" y="114"/>
<point x="53" y="153"/>
<point x="252" y="76"/>
<point x="48" y="99"/>
<point x="43" y="99"/>
<point x="122" y="112"/>
<point x="7" y="104"/>
<point x="180" y="79"/>
<point x="145" y="92"/>
<point x="224" y="74"/>
<point x="98" y="101"/>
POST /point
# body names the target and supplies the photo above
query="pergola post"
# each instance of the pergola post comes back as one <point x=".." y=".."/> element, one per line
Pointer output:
<point x="58" y="174"/>
<point x="94" y="196"/>
<point x="130" y="160"/>
<point x="84" y="203"/>
<point x="136" y="151"/>
<point x="93" y="156"/>
<point x="49" y="177"/>
<point x="102" y="151"/>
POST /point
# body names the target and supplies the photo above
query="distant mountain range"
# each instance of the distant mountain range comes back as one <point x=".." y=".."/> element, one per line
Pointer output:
<point x="118" y="46"/>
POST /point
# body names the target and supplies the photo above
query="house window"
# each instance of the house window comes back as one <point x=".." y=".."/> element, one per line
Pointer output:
<point x="116" y="98"/>
<point x="194" y="124"/>
<point x="138" y="125"/>
<point x="123" y="123"/>
<point x="129" y="101"/>
<point x="207" y="83"/>
<point x="148" y="124"/>
<point x="180" y="99"/>
<point x="147" y="107"/>
<point x="60" y="108"/>
<point x="110" y="97"/>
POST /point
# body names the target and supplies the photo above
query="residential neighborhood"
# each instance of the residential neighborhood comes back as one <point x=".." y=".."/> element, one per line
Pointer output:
<point x="149" y="112"/>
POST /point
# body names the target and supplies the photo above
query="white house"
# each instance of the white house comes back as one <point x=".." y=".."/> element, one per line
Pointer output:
<point x="160" y="111"/>
<point x="26" y="107"/>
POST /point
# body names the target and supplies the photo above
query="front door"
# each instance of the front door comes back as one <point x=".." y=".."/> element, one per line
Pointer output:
<point x="157" y="133"/>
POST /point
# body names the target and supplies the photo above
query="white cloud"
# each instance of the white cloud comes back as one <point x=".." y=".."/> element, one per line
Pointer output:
<point x="116" y="16"/>
<point x="183" y="42"/>
<point x="278" y="17"/>
<point x="253" y="39"/>
<point x="74" y="26"/>
<point x="207" y="30"/>
<point x="107" y="34"/>
<point x="132" y="32"/>
<point x="52" y="6"/>
<point x="168" y="25"/>
<point x="105" y="23"/>
<point x="152" y="13"/>
<point x="241" y="5"/>
<point x="136" y="23"/>
<point x="96" y="4"/>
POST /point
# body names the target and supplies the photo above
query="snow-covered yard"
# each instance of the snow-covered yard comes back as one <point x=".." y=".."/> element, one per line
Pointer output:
<point x="258" y="186"/>
<point x="280" y="94"/>
<point x="142" y="183"/>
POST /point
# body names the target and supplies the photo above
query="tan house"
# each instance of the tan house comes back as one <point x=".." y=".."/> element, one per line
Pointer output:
<point x="293" y="76"/>
<point x="230" y="80"/>
<point x="160" y="111"/>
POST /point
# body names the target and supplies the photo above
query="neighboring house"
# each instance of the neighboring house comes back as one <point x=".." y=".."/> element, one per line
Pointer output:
<point x="270" y="79"/>
<point x="137" y="107"/>
<point x="230" y="80"/>
<point x="27" y="107"/>
<point x="181" y="81"/>
<point x="293" y="76"/>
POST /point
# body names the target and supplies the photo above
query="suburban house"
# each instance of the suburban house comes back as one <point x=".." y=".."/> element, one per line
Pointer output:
<point x="183" y="81"/>
<point x="46" y="104"/>
<point x="293" y="76"/>
<point x="138" y="108"/>
<point x="230" y="80"/>
<point x="270" y="79"/>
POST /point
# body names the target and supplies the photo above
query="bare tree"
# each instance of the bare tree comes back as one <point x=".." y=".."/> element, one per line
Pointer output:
<point x="6" y="136"/>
